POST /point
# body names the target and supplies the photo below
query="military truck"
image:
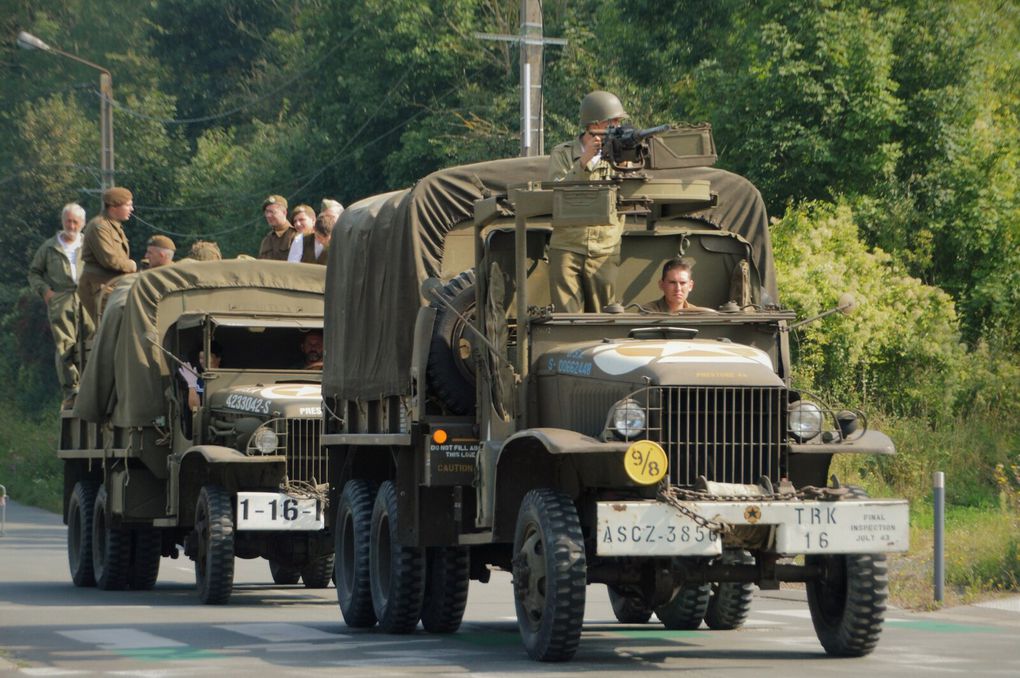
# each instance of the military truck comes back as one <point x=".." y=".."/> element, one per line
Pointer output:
<point x="240" y="473"/>
<point x="665" y="456"/>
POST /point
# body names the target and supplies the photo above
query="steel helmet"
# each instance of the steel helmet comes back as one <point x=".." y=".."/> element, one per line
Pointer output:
<point x="600" y="105"/>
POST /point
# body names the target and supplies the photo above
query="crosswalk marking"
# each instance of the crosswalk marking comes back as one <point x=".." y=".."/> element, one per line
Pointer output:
<point x="121" y="639"/>
<point x="281" y="632"/>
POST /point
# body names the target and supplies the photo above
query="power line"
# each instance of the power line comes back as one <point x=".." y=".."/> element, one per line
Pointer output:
<point x="209" y="118"/>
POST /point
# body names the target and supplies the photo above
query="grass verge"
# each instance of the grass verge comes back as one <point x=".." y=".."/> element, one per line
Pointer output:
<point x="29" y="467"/>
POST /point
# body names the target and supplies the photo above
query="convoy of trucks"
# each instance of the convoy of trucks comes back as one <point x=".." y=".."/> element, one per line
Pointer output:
<point x="461" y="424"/>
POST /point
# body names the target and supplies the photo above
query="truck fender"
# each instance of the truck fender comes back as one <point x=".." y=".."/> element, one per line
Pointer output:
<point x="541" y="457"/>
<point x="203" y="464"/>
<point x="870" y="442"/>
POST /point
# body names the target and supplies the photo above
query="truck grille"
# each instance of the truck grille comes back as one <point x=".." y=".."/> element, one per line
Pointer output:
<point x="299" y="440"/>
<point x="727" y="434"/>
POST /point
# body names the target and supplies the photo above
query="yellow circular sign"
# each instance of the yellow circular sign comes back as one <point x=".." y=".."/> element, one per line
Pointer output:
<point x="645" y="462"/>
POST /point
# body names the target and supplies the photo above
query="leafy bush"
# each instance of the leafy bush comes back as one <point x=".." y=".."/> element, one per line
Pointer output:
<point x="899" y="349"/>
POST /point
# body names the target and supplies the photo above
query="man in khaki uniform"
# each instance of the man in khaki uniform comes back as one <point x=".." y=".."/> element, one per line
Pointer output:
<point x="676" y="284"/>
<point x="276" y="244"/>
<point x="53" y="275"/>
<point x="584" y="260"/>
<point x="159" y="251"/>
<point x="105" y="249"/>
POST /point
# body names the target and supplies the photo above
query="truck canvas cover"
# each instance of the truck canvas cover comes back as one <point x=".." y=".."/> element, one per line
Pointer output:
<point x="385" y="246"/>
<point x="126" y="375"/>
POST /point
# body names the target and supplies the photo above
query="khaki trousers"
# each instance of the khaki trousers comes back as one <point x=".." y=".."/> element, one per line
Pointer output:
<point x="579" y="283"/>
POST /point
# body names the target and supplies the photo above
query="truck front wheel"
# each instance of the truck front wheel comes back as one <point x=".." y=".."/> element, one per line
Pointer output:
<point x="79" y="532"/>
<point x="111" y="548"/>
<point x="730" y="602"/>
<point x="848" y="603"/>
<point x="317" y="573"/>
<point x="549" y="573"/>
<point x="629" y="608"/>
<point x="283" y="575"/>
<point x="353" y="534"/>
<point x="214" y="560"/>
<point x="687" y="608"/>
<point x="397" y="571"/>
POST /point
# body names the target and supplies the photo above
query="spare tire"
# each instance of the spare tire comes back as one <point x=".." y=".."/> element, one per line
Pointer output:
<point x="451" y="369"/>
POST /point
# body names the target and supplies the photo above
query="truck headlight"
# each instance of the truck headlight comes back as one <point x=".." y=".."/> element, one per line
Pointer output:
<point x="805" y="420"/>
<point x="628" y="419"/>
<point x="265" y="441"/>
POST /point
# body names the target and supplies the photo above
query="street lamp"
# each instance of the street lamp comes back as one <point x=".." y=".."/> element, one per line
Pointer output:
<point x="29" y="41"/>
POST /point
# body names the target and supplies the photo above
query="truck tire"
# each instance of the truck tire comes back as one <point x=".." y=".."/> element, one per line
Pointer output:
<point x="146" y="552"/>
<point x="214" y="560"/>
<point x="450" y="371"/>
<point x="730" y="602"/>
<point x="447" y="576"/>
<point x="687" y="608"/>
<point x="353" y="535"/>
<point x="111" y="548"/>
<point x="628" y="608"/>
<point x="397" y="572"/>
<point x="80" y="507"/>
<point x="848" y="603"/>
<point x="549" y="573"/>
<point x="318" y="573"/>
<point x="284" y="575"/>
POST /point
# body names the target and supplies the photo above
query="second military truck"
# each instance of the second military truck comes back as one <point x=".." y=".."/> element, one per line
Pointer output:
<point x="666" y="456"/>
<point x="237" y="471"/>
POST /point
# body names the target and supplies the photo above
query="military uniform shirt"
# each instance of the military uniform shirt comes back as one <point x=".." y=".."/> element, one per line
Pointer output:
<point x="105" y="248"/>
<point x="595" y="240"/>
<point x="277" y="247"/>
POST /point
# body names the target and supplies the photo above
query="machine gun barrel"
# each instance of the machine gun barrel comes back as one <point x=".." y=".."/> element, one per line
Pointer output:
<point x="641" y="134"/>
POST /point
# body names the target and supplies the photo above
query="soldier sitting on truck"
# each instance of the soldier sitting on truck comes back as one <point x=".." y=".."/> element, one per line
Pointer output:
<point x="584" y="261"/>
<point x="676" y="283"/>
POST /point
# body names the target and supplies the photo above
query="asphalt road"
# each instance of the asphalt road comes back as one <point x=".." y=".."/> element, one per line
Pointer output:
<point x="48" y="627"/>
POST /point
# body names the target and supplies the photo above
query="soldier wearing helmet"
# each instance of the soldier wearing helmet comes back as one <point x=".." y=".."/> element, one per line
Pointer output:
<point x="584" y="260"/>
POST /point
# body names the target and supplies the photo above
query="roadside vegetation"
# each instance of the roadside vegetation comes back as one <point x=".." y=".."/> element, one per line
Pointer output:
<point x="884" y="136"/>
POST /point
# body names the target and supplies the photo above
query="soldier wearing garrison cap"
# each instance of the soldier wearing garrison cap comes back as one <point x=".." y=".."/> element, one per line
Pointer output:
<point x="105" y="249"/>
<point x="584" y="260"/>
<point x="276" y="244"/>
<point x="159" y="251"/>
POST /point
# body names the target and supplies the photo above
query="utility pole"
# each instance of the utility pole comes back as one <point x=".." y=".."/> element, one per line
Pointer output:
<point x="532" y="44"/>
<point x="29" y="41"/>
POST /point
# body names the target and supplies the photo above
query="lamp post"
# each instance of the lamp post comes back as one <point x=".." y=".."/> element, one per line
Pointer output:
<point x="29" y="41"/>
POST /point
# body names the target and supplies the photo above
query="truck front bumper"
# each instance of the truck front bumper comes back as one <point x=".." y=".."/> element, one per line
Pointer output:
<point x="655" y="528"/>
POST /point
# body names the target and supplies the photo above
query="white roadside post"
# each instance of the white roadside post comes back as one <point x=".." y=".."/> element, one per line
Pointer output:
<point x="939" y="482"/>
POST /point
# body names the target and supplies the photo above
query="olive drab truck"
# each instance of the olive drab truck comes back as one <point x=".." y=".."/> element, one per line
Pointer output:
<point x="666" y="456"/>
<point x="239" y="473"/>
